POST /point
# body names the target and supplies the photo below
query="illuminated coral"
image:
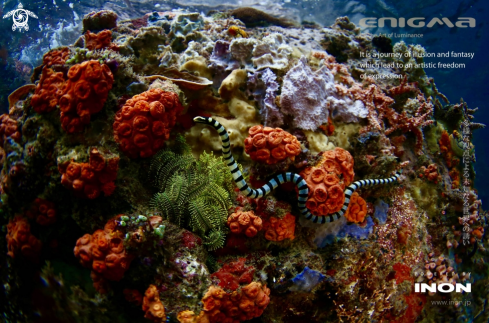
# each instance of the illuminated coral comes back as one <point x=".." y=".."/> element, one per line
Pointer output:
<point x="246" y="222"/>
<point x="48" y="91"/>
<point x="92" y="178"/>
<point x="143" y="124"/>
<point x="234" y="273"/>
<point x="20" y="239"/>
<point x="56" y="57"/>
<point x="238" y="306"/>
<point x="43" y="211"/>
<point x="278" y="229"/>
<point x="357" y="209"/>
<point x="104" y="253"/>
<point x="152" y="305"/>
<point x="8" y="129"/>
<point x="327" y="181"/>
<point x="84" y="94"/>
<point x="271" y="145"/>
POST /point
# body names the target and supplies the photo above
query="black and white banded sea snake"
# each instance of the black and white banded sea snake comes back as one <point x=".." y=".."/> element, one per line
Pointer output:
<point x="285" y="177"/>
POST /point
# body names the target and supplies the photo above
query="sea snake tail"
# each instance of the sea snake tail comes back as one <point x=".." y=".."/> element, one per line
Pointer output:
<point x="283" y="178"/>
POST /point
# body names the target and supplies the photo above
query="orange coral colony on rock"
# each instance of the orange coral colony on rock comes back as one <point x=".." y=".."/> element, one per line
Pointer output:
<point x="43" y="211"/>
<point x="104" y="253"/>
<point x="271" y="145"/>
<point x="84" y="94"/>
<point x="246" y="222"/>
<point x="357" y="209"/>
<point x="238" y="306"/>
<point x="277" y="229"/>
<point x="20" y="239"/>
<point x="327" y="181"/>
<point x="48" y="91"/>
<point x="56" y="57"/>
<point x="98" y="41"/>
<point x="92" y="178"/>
<point x="143" y="124"/>
<point x="8" y="129"/>
<point x="152" y="305"/>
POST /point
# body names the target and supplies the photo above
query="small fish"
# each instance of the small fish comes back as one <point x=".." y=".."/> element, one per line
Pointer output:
<point x="235" y="31"/>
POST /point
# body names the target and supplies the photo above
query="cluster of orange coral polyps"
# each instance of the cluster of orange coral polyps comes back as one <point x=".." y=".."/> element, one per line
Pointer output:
<point x="246" y="222"/>
<point x="238" y="306"/>
<point x="92" y="178"/>
<point x="271" y="145"/>
<point x="327" y="181"/>
<point x="8" y="129"/>
<point x="143" y="124"/>
<point x="152" y="305"/>
<point x="48" y="91"/>
<point x="280" y="229"/>
<point x="20" y="239"/>
<point x="84" y="94"/>
<point x="357" y="209"/>
<point x="98" y="41"/>
<point x="43" y="211"/>
<point x="430" y="173"/>
<point x="104" y="253"/>
<point x="56" y="57"/>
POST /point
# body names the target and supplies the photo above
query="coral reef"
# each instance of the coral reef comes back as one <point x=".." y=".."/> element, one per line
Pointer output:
<point x="245" y="222"/>
<point x="278" y="229"/>
<point x="20" y="240"/>
<point x="48" y="91"/>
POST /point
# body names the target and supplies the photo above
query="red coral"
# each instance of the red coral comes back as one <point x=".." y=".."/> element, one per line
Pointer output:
<point x="143" y="125"/>
<point x="246" y="222"/>
<point x="238" y="306"/>
<point x="84" y="94"/>
<point x="271" y="145"/>
<point x="8" y="129"/>
<point x="20" y="239"/>
<point x="152" y="305"/>
<point x="234" y="273"/>
<point x="190" y="240"/>
<point x="104" y="253"/>
<point x="357" y="209"/>
<point x="43" y="211"/>
<point x="99" y="41"/>
<point x="56" y="57"/>
<point x="277" y="229"/>
<point x="327" y="181"/>
<point x="403" y="272"/>
<point x="48" y="91"/>
<point x="92" y="178"/>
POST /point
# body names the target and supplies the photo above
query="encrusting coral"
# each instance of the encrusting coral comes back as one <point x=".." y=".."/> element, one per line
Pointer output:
<point x="20" y="240"/>
<point x="143" y="124"/>
<point x="42" y="211"/>
<point x="48" y="91"/>
<point x="56" y="57"/>
<point x="84" y="94"/>
<point x="357" y="210"/>
<point x="278" y="229"/>
<point x="246" y="222"/>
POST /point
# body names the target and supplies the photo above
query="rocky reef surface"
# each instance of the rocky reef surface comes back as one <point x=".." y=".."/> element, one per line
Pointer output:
<point x="115" y="205"/>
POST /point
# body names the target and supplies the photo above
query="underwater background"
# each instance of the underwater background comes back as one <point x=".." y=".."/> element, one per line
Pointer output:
<point x="119" y="203"/>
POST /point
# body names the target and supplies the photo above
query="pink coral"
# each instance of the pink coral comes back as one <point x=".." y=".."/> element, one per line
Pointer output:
<point x="104" y="253"/>
<point x="84" y="94"/>
<point x="143" y="124"/>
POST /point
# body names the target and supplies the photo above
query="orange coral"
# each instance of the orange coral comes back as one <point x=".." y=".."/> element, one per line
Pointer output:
<point x="56" y="56"/>
<point x="238" y="306"/>
<point x="20" y="239"/>
<point x="8" y="129"/>
<point x="43" y="211"/>
<point x="279" y="229"/>
<point x="357" y="209"/>
<point x="143" y="124"/>
<point x="246" y="222"/>
<point x="430" y="173"/>
<point x="100" y="40"/>
<point x="48" y="91"/>
<point x="92" y="178"/>
<point x="152" y="305"/>
<point x="104" y="253"/>
<point x="327" y="181"/>
<point x="84" y="94"/>
<point x="271" y="145"/>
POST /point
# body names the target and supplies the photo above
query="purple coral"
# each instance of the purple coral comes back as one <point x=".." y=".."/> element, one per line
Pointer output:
<point x="264" y="89"/>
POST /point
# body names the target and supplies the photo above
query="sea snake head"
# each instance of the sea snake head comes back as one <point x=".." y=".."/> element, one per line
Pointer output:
<point x="201" y="120"/>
